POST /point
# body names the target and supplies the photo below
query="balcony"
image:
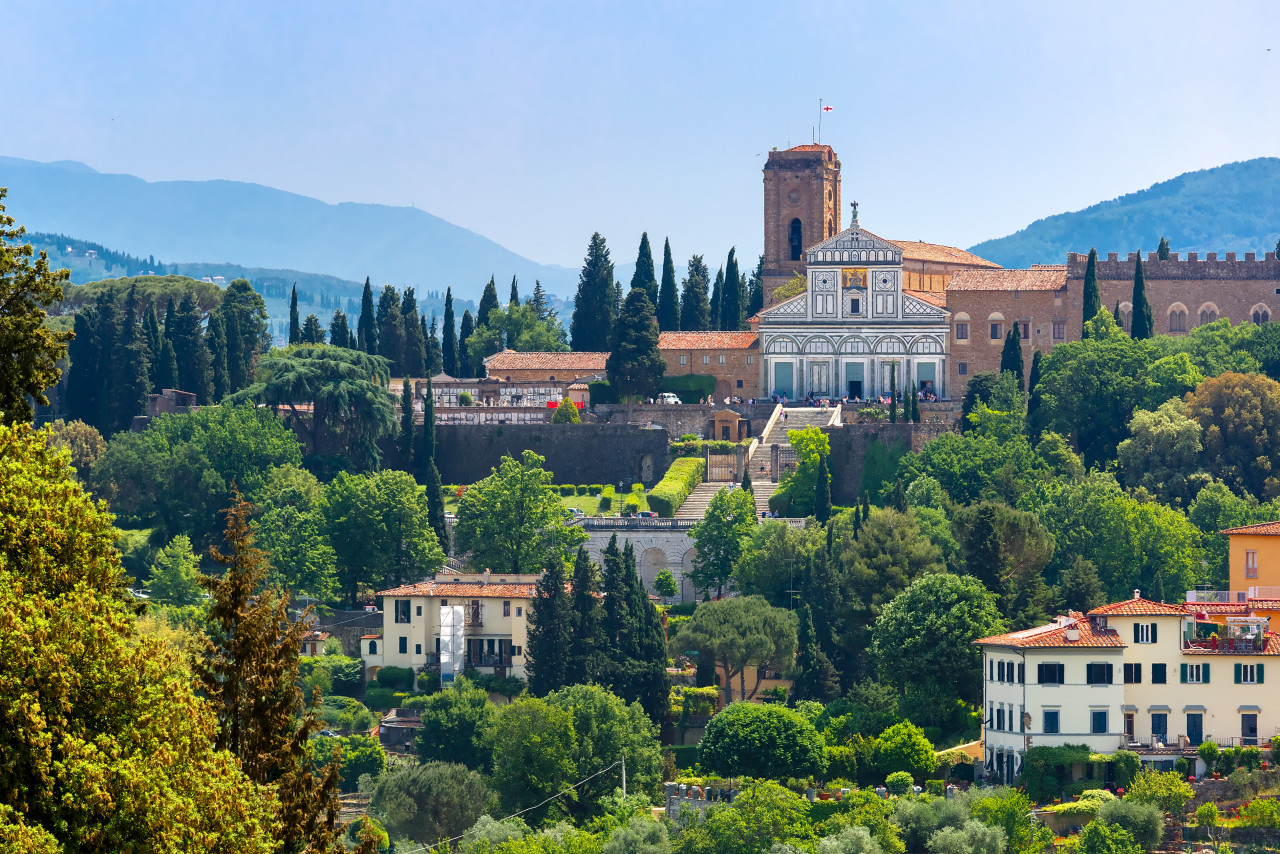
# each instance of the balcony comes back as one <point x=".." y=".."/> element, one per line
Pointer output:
<point x="473" y="615"/>
<point x="488" y="661"/>
<point x="1216" y="597"/>
<point x="1238" y="635"/>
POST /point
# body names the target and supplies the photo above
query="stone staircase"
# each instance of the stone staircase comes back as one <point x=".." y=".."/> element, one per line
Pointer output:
<point x="695" y="506"/>
<point x="797" y="418"/>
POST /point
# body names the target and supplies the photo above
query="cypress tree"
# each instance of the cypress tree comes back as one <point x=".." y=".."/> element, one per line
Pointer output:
<point x="635" y="365"/>
<point x="151" y="327"/>
<point x="983" y="552"/>
<point x="668" y="299"/>
<point x="1162" y="251"/>
<point x="167" y="366"/>
<point x="594" y="306"/>
<point x="915" y="406"/>
<point x="449" y="338"/>
<point x="816" y="678"/>
<point x="130" y="373"/>
<point x="731" y="301"/>
<point x="822" y="492"/>
<point x="367" y="327"/>
<point x="169" y="311"/>
<point x="216" y="343"/>
<point x="746" y="478"/>
<point x="514" y="298"/>
<point x="415" y="338"/>
<point x="1092" y="299"/>
<point x="584" y="662"/>
<point x="646" y="680"/>
<point x="312" y="331"/>
<point x="1143" y="324"/>
<point x="550" y="616"/>
<point x="695" y="309"/>
<point x="1011" y="355"/>
<point x="488" y="304"/>
<point x="391" y="329"/>
<point x="339" y="330"/>
<point x="236" y="378"/>
<point x="190" y="350"/>
<point x="717" y="294"/>
<point x="755" y="289"/>
<point x="431" y="474"/>
<point x="1033" y="400"/>
<point x="435" y="356"/>
<point x="406" y="424"/>
<point x="295" y="329"/>
<point x="464" y="350"/>
<point x="614" y="618"/>
<point x="893" y="392"/>
<point x="1115" y="313"/>
<point x="643" y="276"/>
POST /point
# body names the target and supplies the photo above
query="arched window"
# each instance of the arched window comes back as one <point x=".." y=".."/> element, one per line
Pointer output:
<point x="1260" y="313"/>
<point x="373" y="647"/>
<point x="1126" y="316"/>
<point x="831" y="228"/>
<point x="551" y="379"/>
<point x="796" y="240"/>
<point x="1208" y="313"/>
<point x="1177" y="318"/>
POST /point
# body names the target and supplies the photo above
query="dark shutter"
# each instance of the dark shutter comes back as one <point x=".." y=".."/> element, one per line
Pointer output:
<point x="1061" y="673"/>
<point x="1258" y="667"/>
<point x="1184" y="671"/>
<point x="1239" y="668"/>
<point x="1137" y="674"/>
<point x="1137" y="633"/>
<point x="1109" y="680"/>
<point x="1040" y="673"/>
<point x="1153" y="632"/>
<point x="1204" y="673"/>
<point x="1022" y="673"/>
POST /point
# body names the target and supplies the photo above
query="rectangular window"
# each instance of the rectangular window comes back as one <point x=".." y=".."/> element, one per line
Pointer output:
<point x="515" y="650"/>
<point x="1024" y="329"/>
<point x="1098" y="673"/>
<point x="1144" y="632"/>
<point x="519" y="611"/>
<point x="402" y="610"/>
<point x="997" y="332"/>
<point x="1000" y="718"/>
<point x="444" y="603"/>
<point x="751" y="360"/>
<point x="1195" y="674"/>
<point x="962" y="368"/>
<point x="855" y="306"/>
<point x="1022" y="718"/>
<point x="417" y="649"/>
<point x="1000" y="671"/>
<point x="991" y="670"/>
<point x="1251" y="564"/>
<point x="1022" y="673"/>
<point x="437" y="646"/>
<point x="506" y="609"/>
<point x="1159" y="674"/>
<point x="1248" y="674"/>
<point x="404" y="645"/>
<point x="1059" y="330"/>
<point x="1098" y="722"/>
<point x="706" y="360"/>
<point x="684" y="360"/>
<point x="721" y="359"/>
<point x="962" y="331"/>
<point x="1050" y="721"/>
<point x="1160" y="725"/>
<point x="1051" y="673"/>
<point x="1133" y="674"/>
<point x="418" y="611"/>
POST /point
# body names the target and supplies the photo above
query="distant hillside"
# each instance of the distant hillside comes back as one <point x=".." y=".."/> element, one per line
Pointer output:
<point x="1231" y="208"/>
<point x="261" y="227"/>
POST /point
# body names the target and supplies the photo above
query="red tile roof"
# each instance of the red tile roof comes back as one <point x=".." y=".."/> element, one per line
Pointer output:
<point x="371" y="637"/>
<point x="1217" y="608"/>
<point x="1043" y="278"/>
<point x="1137" y="608"/>
<point x="708" y="340"/>
<point x="510" y="360"/>
<point x="1268" y="529"/>
<point x="932" y="297"/>
<point x="918" y="250"/>
<point x="315" y="635"/>
<point x="465" y="590"/>
<point x="1272" y="648"/>
<point x="1265" y="604"/>
<point x="811" y="147"/>
<point x="1055" y="636"/>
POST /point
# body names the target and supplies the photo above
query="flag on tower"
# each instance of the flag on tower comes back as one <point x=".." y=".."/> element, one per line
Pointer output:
<point x="828" y="108"/>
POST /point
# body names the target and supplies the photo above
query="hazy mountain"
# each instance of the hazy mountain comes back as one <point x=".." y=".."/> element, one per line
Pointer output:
<point x="214" y="222"/>
<point x="1231" y="208"/>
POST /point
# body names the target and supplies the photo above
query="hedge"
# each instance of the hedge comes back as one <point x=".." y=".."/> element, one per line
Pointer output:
<point x="601" y="392"/>
<point x="689" y="387"/>
<point x="685" y="474"/>
<point x="686" y="755"/>
<point x="400" y="678"/>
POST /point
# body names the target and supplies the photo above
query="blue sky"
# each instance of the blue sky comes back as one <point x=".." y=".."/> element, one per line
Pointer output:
<point x="538" y="123"/>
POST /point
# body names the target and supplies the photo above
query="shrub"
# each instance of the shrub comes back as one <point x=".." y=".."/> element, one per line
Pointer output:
<point x="1086" y="809"/>
<point x="1207" y="815"/>
<point x="918" y="819"/>
<point x="631" y="505"/>
<point x="898" y="783"/>
<point x="1126" y="764"/>
<point x="1182" y="766"/>
<point x="1250" y="758"/>
<point x="903" y="747"/>
<point x="464" y="398"/>
<point x="595" y="489"/>
<point x="1208" y="753"/>
<point x="1242" y="781"/>
<point x="680" y="480"/>
<point x="842" y="762"/>
<point x="1100" y="838"/>
<point x="754" y="740"/>
<point x="641" y="835"/>
<point x="1168" y="791"/>
<point x="435" y="800"/>
<point x="780" y="503"/>
<point x="850" y="840"/>
<point x="688" y="437"/>
<point x="347" y="674"/>
<point x="396" y="678"/>
<point x="606" y="500"/>
<point x="380" y="699"/>
<point x="1145" y="822"/>
<point x="1227" y="760"/>
<point x="1275" y="749"/>
<point x="583" y="489"/>
<point x="1263" y="812"/>
<point x="935" y="787"/>
<point x="601" y="393"/>
<point x="566" y="489"/>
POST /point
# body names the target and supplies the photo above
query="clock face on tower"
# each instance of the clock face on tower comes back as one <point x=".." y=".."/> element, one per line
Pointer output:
<point x="793" y="196"/>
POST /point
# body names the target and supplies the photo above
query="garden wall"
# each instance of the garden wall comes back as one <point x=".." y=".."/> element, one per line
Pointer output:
<point x="871" y="451"/>
<point x="685" y="418"/>
<point x="575" y="453"/>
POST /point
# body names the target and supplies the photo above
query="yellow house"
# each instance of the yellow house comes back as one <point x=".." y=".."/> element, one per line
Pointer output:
<point x="1255" y="559"/>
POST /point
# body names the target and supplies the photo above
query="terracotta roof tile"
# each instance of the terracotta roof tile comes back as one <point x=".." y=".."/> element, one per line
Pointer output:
<point x="918" y="250"/>
<point x="1217" y="608"/>
<point x="371" y="637"/>
<point x="1043" y="278"/>
<point x="316" y="635"/>
<point x="464" y="590"/>
<point x="1265" y="604"/>
<point x="1137" y="608"/>
<point x="1269" y="529"/>
<point x="932" y="297"/>
<point x="510" y="360"/>
<point x="708" y="340"/>
<point x="810" y="147"/>
<point x="1055" y="636"/>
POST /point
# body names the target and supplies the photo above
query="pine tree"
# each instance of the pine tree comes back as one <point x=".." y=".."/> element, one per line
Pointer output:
<point x="367" y="327"/>
<point x="216" y="343"/>
<point x="464" y="349"/>
<point x="594" y="305"/>
<point x="550" y="617"/>
<point x="151" y="328"/>
<point x="539" y="302"/>
<point x="312" y="331"/>
<point x="391" y="329"/>
<point x="695" y="310"/>
<point x="406" y="425"/>
<point x="893" y="392"/>
<point x="717" y="294"/>
<point x="1011" y="355"/>
<point x="1143" y="324"/>
<point x="822" y="491"/>
<point x="668" y="298"/>
<point x="755" y="289"/>
<point x="643" y="276"/>
<point x="295" y="330"/>
<point x="430" y="474"/>
<point x="167" y="366"/>
<point x="816" y="678"/>
<point x="435" y="355"/>
<point x="731" y="301"/>
<point x="488" y="304"/>
<point x="514" y="298"/>
<point x="190" y="350"/>
<point x="635" y="365"/>
<point x="584" y="662"/>
<point x="449" y="338"/>
<point x="1092" y="299"/>
<point x="339" y="330"/>
<point x="415" y="338"/>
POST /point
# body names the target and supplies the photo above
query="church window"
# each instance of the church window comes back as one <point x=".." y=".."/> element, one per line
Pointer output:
<point x="831" y="229"/>
<point x="1261" y="315"/>
<point x="796" y="240"/>
<point x="855" y="306"/>
<point x="1059" y="330"/>
<point x="962" y="331"/>
<point x="1177" y="321"/>
<point x="1208" y="313"/>
<point x="997" y="332"/>
<point x="962" y="368"/>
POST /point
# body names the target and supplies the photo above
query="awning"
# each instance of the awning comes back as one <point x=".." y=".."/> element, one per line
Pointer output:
<point x="1128" y="708"/>
<point x="1159" y="709"/>
<point x="1249" y="709"/>
<point x="1193" y="708"/>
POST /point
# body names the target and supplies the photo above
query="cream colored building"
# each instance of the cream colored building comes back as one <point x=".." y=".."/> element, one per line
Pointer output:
<point x="495" y="629"/>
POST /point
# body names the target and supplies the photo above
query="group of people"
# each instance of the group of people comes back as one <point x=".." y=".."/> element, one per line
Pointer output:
<point x="728" y="401"/>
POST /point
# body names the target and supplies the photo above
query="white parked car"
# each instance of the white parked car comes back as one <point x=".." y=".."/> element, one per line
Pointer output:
<point x="668" y="397"/>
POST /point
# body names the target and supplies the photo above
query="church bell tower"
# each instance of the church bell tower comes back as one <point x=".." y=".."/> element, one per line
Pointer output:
<point x="801" y="208"/>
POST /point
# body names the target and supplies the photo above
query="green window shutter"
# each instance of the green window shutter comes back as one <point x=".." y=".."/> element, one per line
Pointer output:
<point x="1258" y="667"/>
<point x="1153" y="632"/>
<point x="1204" y="673"/>
<point x="1239" y="667"/>
<point x="1184" y="672"/>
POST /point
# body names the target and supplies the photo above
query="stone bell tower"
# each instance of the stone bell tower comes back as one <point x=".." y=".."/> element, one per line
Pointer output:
<point x="801" y="208"/>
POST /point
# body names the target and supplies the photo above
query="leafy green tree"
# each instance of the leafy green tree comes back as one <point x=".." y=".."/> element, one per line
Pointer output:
<point x="514" y="518"/>
<point x="731" y="298"/>
<point x="763" y="817"/>
<point x="720" y="537"/>
<point x="801" y="486"/>
<point x="549" y="629"/>
<point x="175" y="576"/>
<point x="665" y="584"/>
<point x="449" y="338"/>
<point x="640" y="835"/>
<point x="31" y="349"/>
<point x="70" y="635"/>
<point x="1011" y="355"/>
<point x="737" y="633"/>
<point x="84" y="443"/>
<point x="468" y="364"/>
<point x="635" y="365"/>
<point x="1162" y="455"/>
<point x="566" y="413"/>
<point x="517" y="327"/>
<point x="695" y="311"/>
<point x="903" y="747"/>
<point x="295" y="328"/>
<point x="1101" y="838"/>
<point x="1240" y="418"/>
<point x="774" y="560"/>
<point x="668" y="299"/>
<point x="756" y="740"/>
<point x="933" y="624"/>
<point x="456" y="726"/>
<point x="359" y="755"/>
<point x="1008" y="551"/>
<point x="312" y="331"/>
<point x="1143" y="324"/>
<point x="1092" y="303"/>
<point x="534" y="744"/>
<point x="644" y="277"/>
<point x="1007" y="809"/>
<point x="291" y="529"/>
<point x="594" y="306"/>
<point x="1168" y="790"/>
<point x="433" y="801"/>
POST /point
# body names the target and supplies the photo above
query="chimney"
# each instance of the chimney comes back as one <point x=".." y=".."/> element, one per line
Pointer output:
<point x="485" y="579"/>
<point x="1137" y="594"/>
<point x="1073" y="633"/>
